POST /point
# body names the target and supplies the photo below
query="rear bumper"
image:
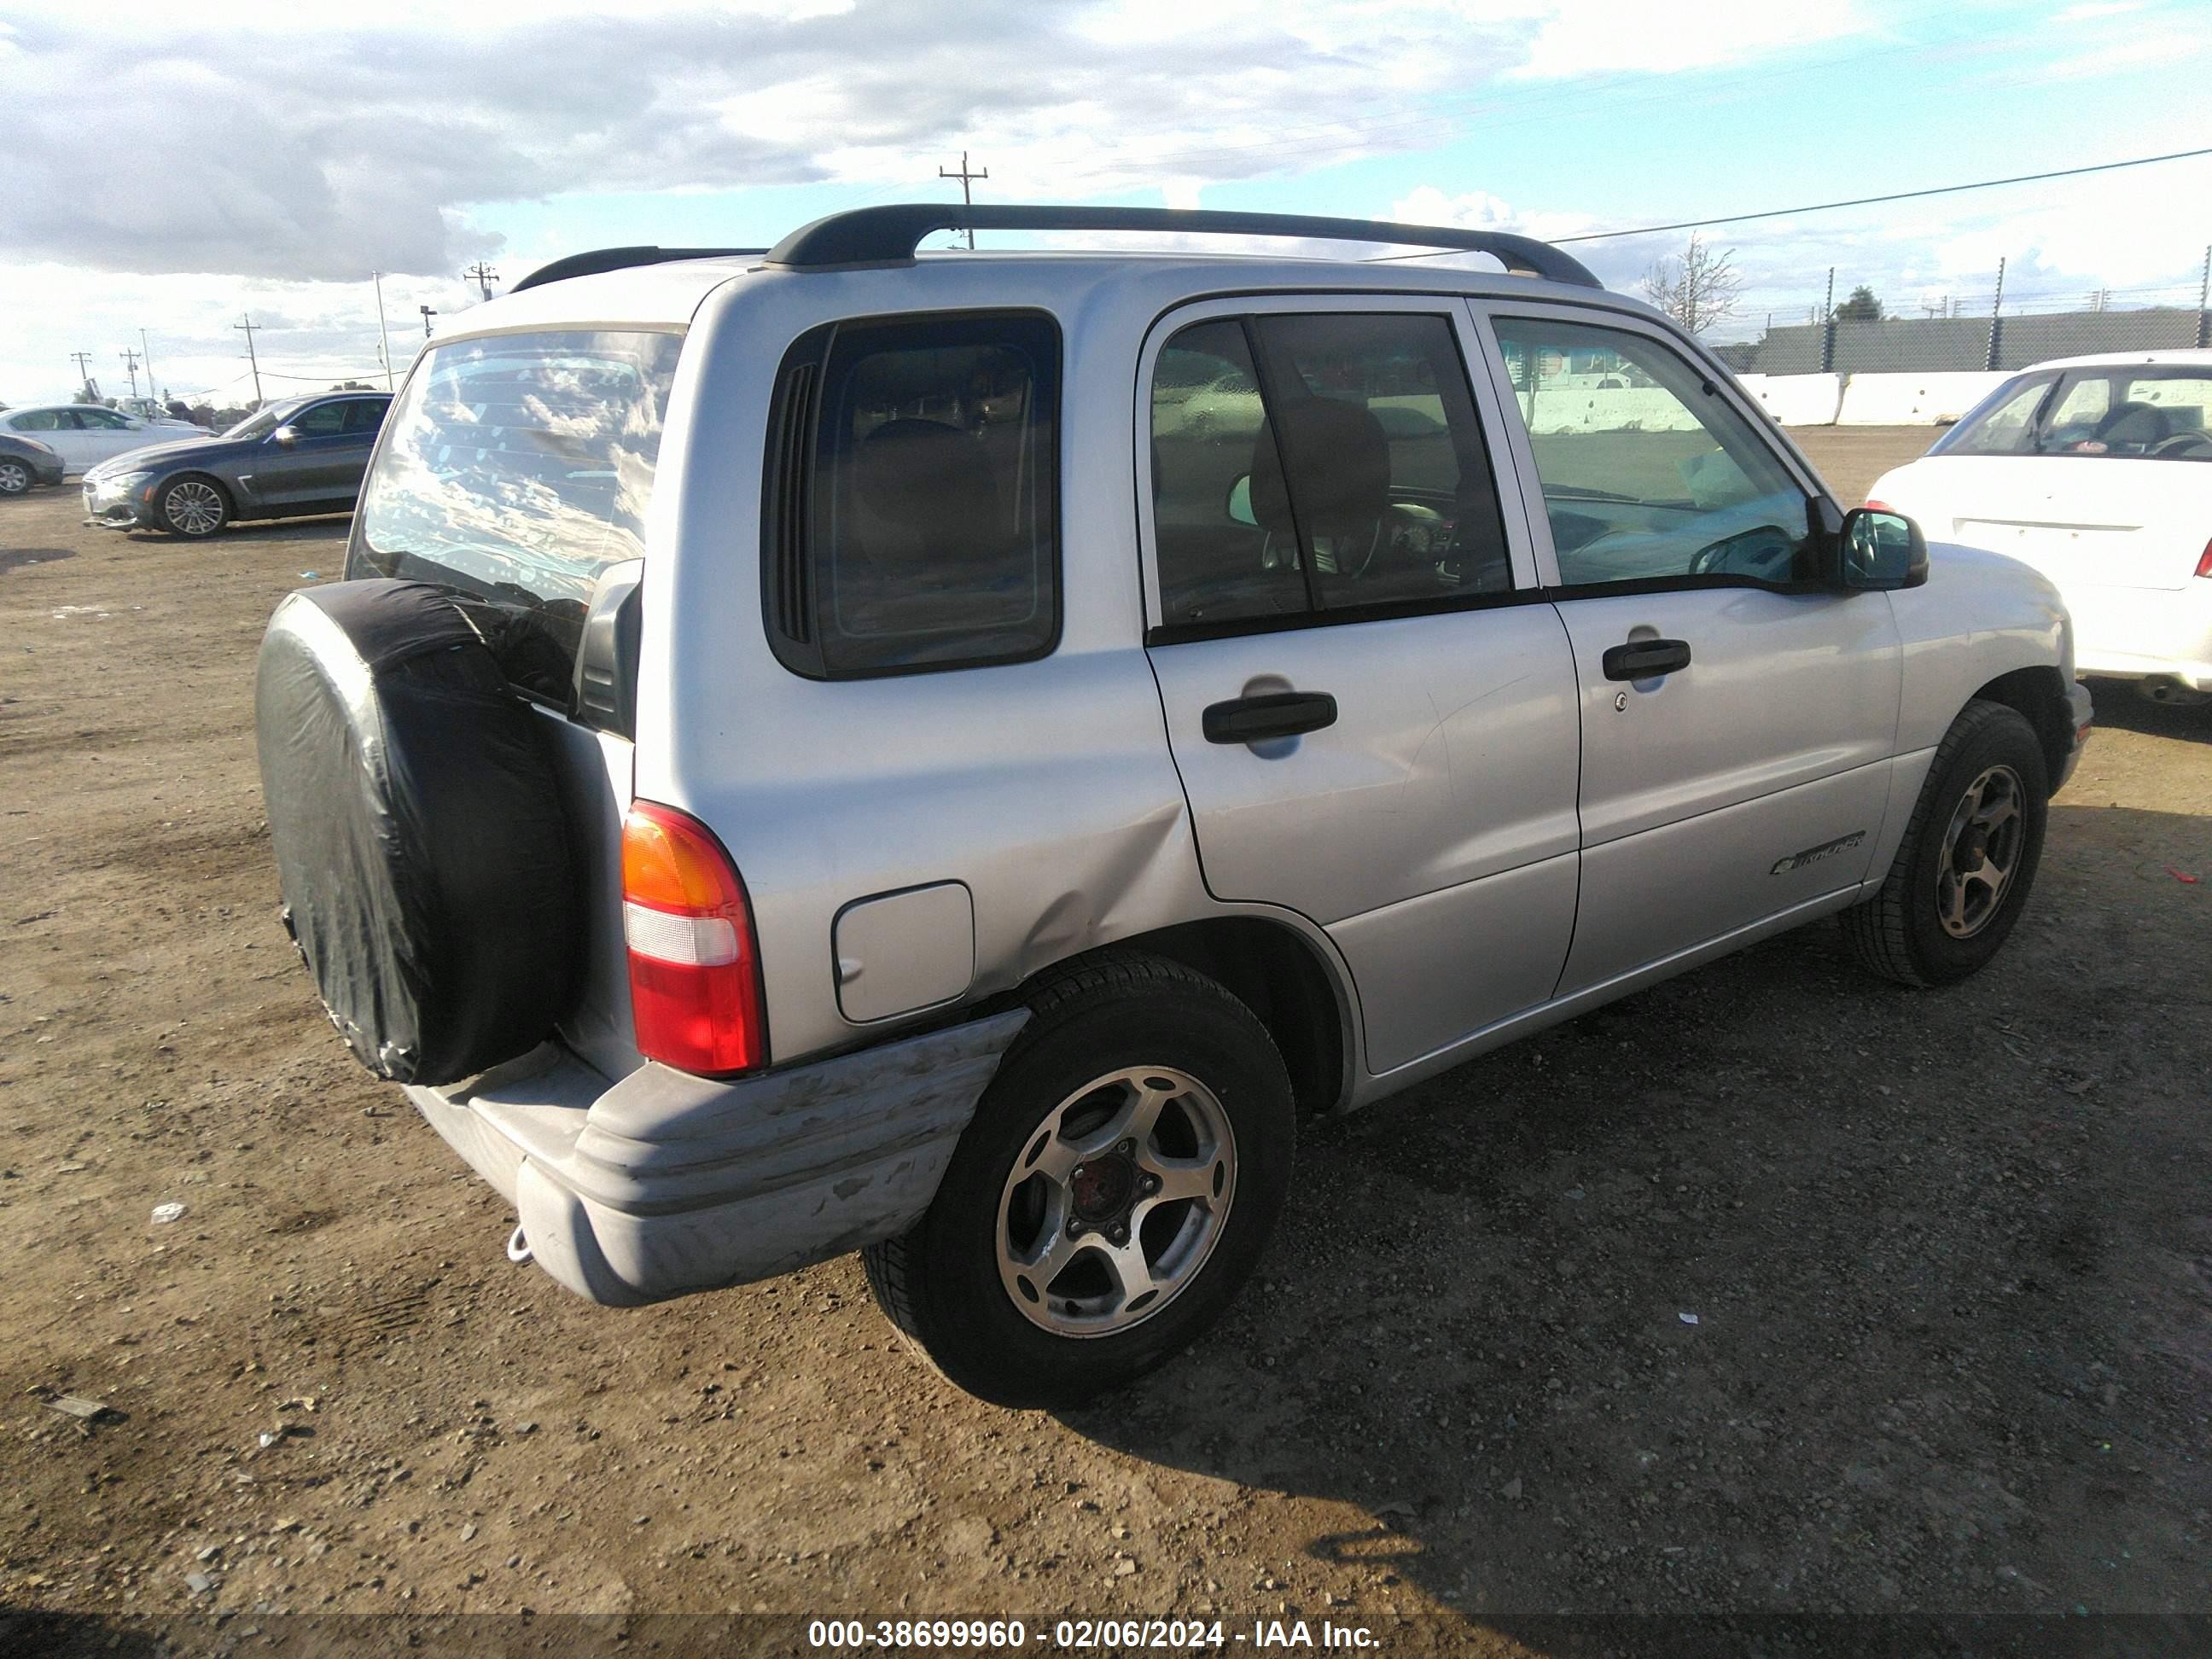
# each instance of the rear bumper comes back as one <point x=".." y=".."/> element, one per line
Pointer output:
<point x="664" y="1183"/>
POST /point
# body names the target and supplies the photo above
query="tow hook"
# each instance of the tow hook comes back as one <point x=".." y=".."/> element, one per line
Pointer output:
<point x="518" y="1247"/>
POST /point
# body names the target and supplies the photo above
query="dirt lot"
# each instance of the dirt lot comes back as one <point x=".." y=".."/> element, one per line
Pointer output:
<point x="1950" y="1256"/>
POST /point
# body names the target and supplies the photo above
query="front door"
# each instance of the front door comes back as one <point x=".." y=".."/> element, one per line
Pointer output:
<point x="1738" y="712"/>
<point x="319" y="467"/>
<point x="1372" y="709"/>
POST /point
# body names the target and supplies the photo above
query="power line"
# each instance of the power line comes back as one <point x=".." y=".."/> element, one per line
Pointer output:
<point x="1898" y="196"/>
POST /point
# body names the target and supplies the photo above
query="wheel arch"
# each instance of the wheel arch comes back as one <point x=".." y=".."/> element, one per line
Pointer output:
<point x="2039" y="695"/>
<point x="1285" y="980"/>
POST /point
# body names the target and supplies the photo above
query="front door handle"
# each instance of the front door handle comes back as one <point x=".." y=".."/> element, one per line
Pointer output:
<point x="1277" y="714"/>
<point x="1646" y="660"/>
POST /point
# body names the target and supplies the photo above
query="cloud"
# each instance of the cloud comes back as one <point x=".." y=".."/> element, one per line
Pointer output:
<point x="326" y="142"/>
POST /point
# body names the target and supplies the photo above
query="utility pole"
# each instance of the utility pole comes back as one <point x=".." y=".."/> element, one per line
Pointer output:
<point x="147" y="357"/>
<point x="426" y="315"/>
<point x="248" y="326"/>
<point x="1997" y="313"/>
<point x="967" y="196"/>
<point x="483" y="276"/>
<point x="83" y="361"/>
<point x="130" y="365"/>
<point x="2203" y="296"/>
<point x="383" y="338"/>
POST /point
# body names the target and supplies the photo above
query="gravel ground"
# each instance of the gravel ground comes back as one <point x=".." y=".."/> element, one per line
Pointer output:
<point x="1947" y="1254"/>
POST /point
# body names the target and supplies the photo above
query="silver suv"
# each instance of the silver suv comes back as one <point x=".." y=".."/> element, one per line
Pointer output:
<point x="953" y="755"/>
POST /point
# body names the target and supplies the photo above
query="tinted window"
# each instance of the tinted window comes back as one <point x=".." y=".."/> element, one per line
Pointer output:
<point x="1656" y="478"/>
<point x="1340" y="469"/>
<point x="323" y="421"/>
<point x="517" y="469"/>
<point x="911" y="497"/>
<point x="366" y="415"/>
<point x="1210" y="432"/>
<point x="102" y="420"/>
<point x="41" y="420"/>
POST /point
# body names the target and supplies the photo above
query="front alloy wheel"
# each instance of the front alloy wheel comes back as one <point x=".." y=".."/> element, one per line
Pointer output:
<point x="194" y="507"/>
<point x="1981" y="849"/>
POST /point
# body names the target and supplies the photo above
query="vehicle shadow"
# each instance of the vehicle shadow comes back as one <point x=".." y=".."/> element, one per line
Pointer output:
<point x="1773" y="1287"/>
<point x="14" y="558"/>
<point x="2120" y="706"/>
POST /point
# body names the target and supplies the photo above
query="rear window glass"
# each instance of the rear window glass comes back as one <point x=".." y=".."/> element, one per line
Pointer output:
<point x="911" y="515"/>
<point x="515" y="469"/>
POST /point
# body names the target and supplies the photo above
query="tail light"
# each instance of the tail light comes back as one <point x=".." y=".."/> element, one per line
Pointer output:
<point x="694" y="965"/>
<point x="2205" y="561"/>
<point x="1874" y="505"/>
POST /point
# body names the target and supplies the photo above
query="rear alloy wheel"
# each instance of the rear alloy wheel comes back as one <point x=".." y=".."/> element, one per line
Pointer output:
<point x="194" y="507"/>
<point x="1117" y="1184"/>
<point x="15" y="477"/>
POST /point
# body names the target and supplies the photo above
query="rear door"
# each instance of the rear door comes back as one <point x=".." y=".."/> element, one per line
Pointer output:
<point x="1738" y="716"/>
<point x="1371" y="708"/>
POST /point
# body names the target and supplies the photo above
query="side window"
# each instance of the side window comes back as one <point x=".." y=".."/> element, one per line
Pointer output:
<point x="37" y="420"/>
<point x="100" y="420"/>
<point x="911" y="511"/>
<point x="323" y="421"/>
<point x="1654" y="478"/>
<point x="2002" y="426"/>
<point x="365" y="415"/>
<point x="1318" y="463"/>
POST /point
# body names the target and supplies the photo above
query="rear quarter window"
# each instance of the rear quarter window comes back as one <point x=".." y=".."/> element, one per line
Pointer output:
<point x="910" y="516"/>
<point x="514" y="470"/>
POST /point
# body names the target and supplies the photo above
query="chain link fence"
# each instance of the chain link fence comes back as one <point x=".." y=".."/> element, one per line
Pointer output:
<point x="1980" y="332"/>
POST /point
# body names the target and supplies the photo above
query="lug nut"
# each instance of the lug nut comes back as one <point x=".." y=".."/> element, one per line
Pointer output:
<point x="1152" y="1183"/>
<point x="1119" y="1234"/>
<point x="1075" y="1229"/>
<point x="1126" y="1148"/>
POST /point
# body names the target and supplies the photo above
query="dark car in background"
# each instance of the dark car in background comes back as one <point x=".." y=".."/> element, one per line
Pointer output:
<point x="24" y="463"/>
<point x="301" y="455"/>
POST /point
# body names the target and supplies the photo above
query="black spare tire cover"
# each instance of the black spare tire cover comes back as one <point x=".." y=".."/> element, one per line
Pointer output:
<point x="428" y="872"/>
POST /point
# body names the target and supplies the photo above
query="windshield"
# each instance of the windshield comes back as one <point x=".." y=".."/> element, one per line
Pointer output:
<point x="516" y="468"/>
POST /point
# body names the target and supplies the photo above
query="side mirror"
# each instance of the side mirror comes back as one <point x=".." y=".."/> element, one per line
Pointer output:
<point x="285" y="435"/>
<point x="1882" y="551"/>
<point x="1240" y="503"/>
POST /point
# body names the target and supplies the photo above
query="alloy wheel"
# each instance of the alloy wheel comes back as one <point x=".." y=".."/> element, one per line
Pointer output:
<point x="1981" y="851"/>
<point x="15" y="477"/>
<point x="193" y="508"/>
<point x="1115" y="1204"/>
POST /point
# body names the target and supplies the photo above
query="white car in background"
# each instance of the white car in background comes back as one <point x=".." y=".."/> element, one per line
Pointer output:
<point x="85" y="434"/>
<point x="2098" y="472"/>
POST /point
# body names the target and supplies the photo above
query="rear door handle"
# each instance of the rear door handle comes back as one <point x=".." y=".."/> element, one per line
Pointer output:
<point x="1277" y="714"/>
<point x="1646" y="660"/>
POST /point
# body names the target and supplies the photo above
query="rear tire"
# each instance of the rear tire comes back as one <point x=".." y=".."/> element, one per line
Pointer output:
<point x="16" y="477"/>
<point x="1177" y="1198"/>
<point x="1969" y="857"/>
<point x="194" y="507"/>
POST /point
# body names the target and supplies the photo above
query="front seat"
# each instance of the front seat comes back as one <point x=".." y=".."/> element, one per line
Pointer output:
<point x="2137" y="426"/>
<point x="1342" y="458"/>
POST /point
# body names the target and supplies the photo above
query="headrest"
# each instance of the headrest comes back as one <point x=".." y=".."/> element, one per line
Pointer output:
<point x="934" y="480"/>
<point x="1343" y="458"/>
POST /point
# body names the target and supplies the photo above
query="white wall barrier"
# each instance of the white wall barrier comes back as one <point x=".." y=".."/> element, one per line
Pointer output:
<point x="1797" y="399"/>
<point x="1912" y="399"/>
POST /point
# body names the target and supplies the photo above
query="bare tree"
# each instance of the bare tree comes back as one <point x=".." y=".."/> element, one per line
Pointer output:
<point x="1697" y="288"/>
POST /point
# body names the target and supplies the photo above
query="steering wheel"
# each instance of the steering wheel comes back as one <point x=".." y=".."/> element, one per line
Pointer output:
<point x="1767" y="551"/>
<point x="2181" y="443"/>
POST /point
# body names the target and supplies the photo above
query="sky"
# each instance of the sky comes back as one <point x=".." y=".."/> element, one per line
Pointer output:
<point x="172" y="171"/>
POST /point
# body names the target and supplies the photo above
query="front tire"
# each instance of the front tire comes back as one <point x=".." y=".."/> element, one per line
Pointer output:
<point x="1969" y="858"/>
<point x="192" y="507"/>
<point x="15" y="477"/>
<point x="1117" y="1186"/>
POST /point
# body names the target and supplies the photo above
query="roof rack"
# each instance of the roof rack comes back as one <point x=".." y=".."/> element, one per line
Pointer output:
<point x="890" y="234"/>
<point x="621" y="259"/>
